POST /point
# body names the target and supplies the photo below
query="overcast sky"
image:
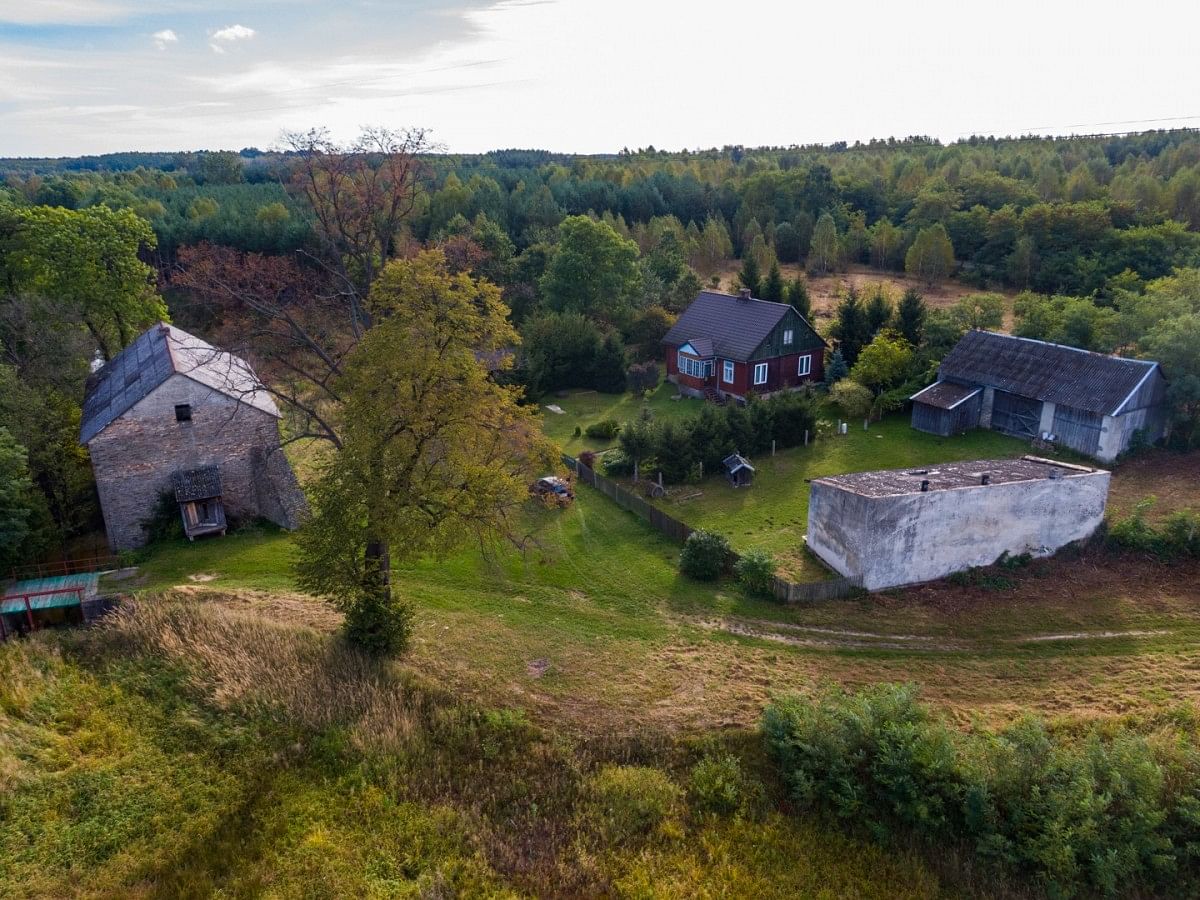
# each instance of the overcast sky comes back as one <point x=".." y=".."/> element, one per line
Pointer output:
<point x="93" y="76"/>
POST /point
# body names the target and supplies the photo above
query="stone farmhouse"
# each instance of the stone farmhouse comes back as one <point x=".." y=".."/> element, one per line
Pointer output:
<point x="905" y="526"/>
<point x="171" y="414"/>
<point x="1089" y="402"/>
<point x="725" y="346"/>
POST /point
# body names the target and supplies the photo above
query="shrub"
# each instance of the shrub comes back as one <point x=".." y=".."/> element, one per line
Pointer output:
<point x="705" y="555"/>
<point x="617" y="463"/>
<point x="643" y="376"/>
<point x="588" y="458"/>
<point x="854" y="399"/>
<point x="603" y="431"/>
<point x="1105" y="811"/>
<point x="578" y="431"/>
<point x="1178" y="536"/>
<point x="754" y="571"/>
<point x="717" y="785"/>
<point x="631" y="801"/>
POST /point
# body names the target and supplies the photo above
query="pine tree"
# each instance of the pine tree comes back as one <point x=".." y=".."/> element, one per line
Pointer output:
<point x="750" y="277"/>
<point x="850" y="327"/>
<point x="772" y="287"/>
<point x="836" y="369"/>
<point x="798" y="296"/>
<point x="878" y="311"/>
<point x="910" y="317"/>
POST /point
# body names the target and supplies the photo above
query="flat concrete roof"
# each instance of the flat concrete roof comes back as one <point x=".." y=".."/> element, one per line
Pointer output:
<point x="953" y="475"/>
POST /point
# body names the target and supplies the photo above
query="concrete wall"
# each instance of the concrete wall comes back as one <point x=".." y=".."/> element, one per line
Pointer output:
<point x="890" y="541"/>
<point x="135" y="456"/>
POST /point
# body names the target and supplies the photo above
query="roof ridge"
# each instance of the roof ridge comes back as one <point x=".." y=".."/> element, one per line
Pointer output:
<point x="1018" y="337"/>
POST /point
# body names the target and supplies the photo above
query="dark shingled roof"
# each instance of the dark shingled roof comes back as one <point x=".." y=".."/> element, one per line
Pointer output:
<point x="155" y="355"/>
<point x="735" y="326"/>
<point x="196" y="484"/>
<point x="944" y="394"/>
<point x="1052" y="372"/>
<point x="952" y="475"/>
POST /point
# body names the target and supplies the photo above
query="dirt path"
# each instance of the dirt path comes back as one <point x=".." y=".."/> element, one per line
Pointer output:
<point x="837" y="639"/>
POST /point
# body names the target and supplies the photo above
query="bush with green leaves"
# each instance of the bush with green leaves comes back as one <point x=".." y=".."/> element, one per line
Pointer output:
<point x="1176" y="537"/>
<point x="604" y="430"/>
<point x="632" y="801"/>
<point x="718" y="785"/>
<point x="1104" y="811"/>
<point x="705" y="555"/>
<point x="754" y="570"/>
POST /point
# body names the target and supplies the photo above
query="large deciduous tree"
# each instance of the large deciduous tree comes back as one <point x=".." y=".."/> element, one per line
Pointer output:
<point x="360" y="196"/>
<point x="87" y="262"/>
<point x="824" y="251"/>
<point x="931" y="256"/>
<point x="433" y="451"/>
<point x="593" y="271"/>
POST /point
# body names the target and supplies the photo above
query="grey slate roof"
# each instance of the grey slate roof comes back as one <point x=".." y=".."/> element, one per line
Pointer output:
<point x="944" y="394"/>
<point x="1052" y="372"/>
<point x="196" y="484"/>
<point x="735" y="326"/>
<point x="154" y="356"/>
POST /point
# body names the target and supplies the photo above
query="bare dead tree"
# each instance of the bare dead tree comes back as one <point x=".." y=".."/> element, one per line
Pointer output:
<point x="358" y="196"/>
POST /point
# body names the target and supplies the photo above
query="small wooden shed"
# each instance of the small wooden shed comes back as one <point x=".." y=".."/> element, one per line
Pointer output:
<point x="198" y="493"/>
<point x="738" y="470"/>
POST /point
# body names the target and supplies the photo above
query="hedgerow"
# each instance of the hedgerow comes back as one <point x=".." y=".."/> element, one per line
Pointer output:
<point x="1107" y="811"/>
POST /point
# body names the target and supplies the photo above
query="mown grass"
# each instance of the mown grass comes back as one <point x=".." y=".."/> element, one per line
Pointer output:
<point x="187" y="749"/>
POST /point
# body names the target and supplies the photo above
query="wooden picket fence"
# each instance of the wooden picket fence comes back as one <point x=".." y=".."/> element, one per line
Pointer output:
<point x="787" y="591"/>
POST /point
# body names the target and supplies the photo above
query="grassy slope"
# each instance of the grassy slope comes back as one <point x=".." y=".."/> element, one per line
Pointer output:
<point x="185" y="752"/>
<point x="631" y="644"/>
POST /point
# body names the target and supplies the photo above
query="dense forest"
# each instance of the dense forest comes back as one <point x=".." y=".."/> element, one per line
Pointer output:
<point x="594" y="256"/>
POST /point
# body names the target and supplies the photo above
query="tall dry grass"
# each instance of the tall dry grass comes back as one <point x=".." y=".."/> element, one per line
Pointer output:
<point x="238" y="657"/>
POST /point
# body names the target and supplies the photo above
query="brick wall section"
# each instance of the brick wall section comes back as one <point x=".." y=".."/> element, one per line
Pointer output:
<point x="133" y="459"/>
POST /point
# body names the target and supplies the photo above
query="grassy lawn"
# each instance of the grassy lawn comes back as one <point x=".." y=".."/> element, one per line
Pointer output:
<point x="583" y="408"/>
<point x="593" y="627"/>
<point x="773" y="513"/>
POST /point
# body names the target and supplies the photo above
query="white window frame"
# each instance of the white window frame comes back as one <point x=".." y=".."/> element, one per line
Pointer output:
<point x="804" y="367"/>
<point x="787" y="336"/>
<point x="694" y="368"/>
<point x="728" y="371"/>
<point x="760" y="369"/>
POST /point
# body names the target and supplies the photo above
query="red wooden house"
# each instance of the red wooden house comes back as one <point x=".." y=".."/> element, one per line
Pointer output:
<point x="727" y="346"/>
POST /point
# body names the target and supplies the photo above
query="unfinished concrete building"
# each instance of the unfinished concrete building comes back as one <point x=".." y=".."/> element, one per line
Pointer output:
<point x="173" y="415"/>
<point x="905" y="526"/>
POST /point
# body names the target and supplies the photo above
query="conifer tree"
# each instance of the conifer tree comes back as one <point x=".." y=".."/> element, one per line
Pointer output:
<point x="910" y="317"/>
<point x="772" y="286"/>
<point x="749" y="277"/>
<point x="797" y="295"/>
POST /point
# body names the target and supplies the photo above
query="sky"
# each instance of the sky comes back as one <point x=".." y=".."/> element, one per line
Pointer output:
<point x="589" y="76"/>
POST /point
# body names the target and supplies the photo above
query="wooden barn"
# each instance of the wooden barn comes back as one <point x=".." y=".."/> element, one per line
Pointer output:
<point x="173" y="416"/>
<point x="1089" y="402"/>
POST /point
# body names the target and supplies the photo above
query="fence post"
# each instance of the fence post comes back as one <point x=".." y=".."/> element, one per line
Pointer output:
<point x="805" y="437"/>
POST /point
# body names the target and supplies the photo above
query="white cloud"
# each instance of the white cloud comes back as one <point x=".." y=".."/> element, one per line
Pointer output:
<point x="233" y="33"/>
<point x="164" y="37"/>
<point x="228" y="35"/>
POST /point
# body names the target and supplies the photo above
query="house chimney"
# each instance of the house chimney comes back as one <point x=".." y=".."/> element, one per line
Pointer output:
<point x="987" y="479"/>
<point x="744" y="294"/>
<point x="925" y="486"/>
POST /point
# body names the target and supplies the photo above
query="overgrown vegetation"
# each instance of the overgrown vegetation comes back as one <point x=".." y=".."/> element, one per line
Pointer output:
<point x="1103" y="809"/>
<point x="705" y="556"/>
<point x="1174" y="538"/>
<point x="197" y="749"/>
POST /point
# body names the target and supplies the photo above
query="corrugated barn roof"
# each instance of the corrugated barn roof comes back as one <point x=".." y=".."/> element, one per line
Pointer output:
<point x="1051" y="372"/>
